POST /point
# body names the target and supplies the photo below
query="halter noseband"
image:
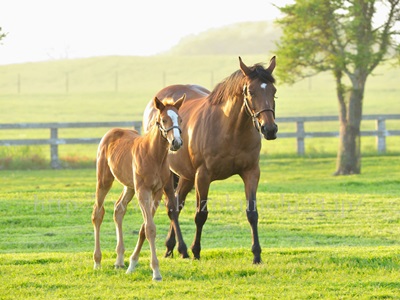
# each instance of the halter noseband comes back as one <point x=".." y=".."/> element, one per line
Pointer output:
<point x="251" y="113"/>
<point x="164" y="131"/>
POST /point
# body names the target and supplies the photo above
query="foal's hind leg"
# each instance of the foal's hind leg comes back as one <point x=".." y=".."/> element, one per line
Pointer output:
<point x="119" y="213"/>
<point x="104" y="182"/>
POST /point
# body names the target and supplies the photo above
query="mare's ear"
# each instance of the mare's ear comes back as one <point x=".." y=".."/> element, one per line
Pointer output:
<point x="245" y="69"/>
<point x="179" y="102"/>
<point x="158" y="104"/>
<point x="272" y="64"/>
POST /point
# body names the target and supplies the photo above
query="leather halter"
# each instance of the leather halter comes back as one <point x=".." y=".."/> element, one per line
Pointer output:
<point x="164" y="131"/>
<point x="254" y="115"/>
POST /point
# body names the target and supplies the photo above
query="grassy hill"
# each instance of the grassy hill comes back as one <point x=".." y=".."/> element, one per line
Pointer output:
<point x="235" y="39"/>
<point x="118" y="88"/>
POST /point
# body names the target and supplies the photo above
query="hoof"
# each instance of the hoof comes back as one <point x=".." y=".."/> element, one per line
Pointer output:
<point x="196" y="251"/>
<point x="132" y="267"/>
<point x="159" y="278"/>
<point x="97" y="266"/>
<point x="182" y="249"/>
<point x="169" y="253"/>
<point x="119" y="267"/>
<point x="257" y="261"/>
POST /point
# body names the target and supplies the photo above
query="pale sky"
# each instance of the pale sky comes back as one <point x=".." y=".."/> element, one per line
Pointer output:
<point x="41" y="30"/>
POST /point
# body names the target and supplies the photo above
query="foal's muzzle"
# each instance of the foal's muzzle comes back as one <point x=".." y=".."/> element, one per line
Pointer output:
<point x="176" y="144"/>
<point x="269" y="131"/>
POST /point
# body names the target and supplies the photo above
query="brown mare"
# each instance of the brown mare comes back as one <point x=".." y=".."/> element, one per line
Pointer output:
<point x="222" y="132"/>
<point x="140" y="164"/>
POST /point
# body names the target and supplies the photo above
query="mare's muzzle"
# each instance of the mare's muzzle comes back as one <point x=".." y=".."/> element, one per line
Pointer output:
<point x="269" y="131"/>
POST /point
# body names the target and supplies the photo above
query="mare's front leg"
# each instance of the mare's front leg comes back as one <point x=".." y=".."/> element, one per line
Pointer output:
<point x="202" y="182"/>
<point x="119" y="213"/>
<point x="174" y="206"/>
<point x="250" y="179"/>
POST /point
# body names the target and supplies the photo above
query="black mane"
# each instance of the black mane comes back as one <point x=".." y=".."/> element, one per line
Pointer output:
<point x="230" y="85"/>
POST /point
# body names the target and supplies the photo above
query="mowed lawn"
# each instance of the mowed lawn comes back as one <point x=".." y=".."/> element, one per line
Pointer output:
<point x="322" y="237"/>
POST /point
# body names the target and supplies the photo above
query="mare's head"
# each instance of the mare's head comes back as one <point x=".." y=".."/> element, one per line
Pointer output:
<point x="259" y="97"/>
<point x="168" y="121"/>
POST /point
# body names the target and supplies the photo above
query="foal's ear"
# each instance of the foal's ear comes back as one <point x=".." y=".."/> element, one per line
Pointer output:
<point x="272" y="64"/>
<point x="158" y="104"/>
<point x="179" y="102"/>
<point x="245" y="69"/>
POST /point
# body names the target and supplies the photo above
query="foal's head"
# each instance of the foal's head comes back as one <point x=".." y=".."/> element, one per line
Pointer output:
<point x="259" y="97"/>
<point x="168" y="121"/>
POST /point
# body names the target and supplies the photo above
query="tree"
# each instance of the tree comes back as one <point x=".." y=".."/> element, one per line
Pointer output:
<point x="2" y="34"/>
<point x="345" y="38"/>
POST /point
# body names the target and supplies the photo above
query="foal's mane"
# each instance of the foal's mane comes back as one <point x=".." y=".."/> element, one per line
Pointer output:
<point x="230" y="85"/>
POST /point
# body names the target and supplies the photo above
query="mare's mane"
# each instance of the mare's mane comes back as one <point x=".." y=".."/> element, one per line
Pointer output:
<point x="229" y="86"/>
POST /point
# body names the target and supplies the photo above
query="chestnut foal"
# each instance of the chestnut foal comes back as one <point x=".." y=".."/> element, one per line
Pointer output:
<point x="140" y="164"/>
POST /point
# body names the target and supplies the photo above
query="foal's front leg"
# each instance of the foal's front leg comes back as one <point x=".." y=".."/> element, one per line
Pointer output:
<point x="148" y="208"/>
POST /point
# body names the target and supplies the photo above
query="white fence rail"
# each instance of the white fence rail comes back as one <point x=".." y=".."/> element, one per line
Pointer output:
<point x="300" y="134"/>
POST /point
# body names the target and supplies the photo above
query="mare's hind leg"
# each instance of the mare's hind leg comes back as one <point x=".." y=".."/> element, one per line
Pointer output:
<point x="202" y="186"/>
<point x="174" y="207"/>
<point x="119" y="213"/>
<point x="104" y="182"/>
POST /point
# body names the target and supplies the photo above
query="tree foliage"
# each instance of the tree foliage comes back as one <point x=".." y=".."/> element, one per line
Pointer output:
<point x="347" y="38"/>
<point x="2" y="34"/>
<point x="336" y="35"/>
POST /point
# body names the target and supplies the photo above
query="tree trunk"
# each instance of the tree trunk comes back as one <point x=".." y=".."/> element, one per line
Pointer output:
<point x="349" y="155"/>
<point x="350" y="114"/>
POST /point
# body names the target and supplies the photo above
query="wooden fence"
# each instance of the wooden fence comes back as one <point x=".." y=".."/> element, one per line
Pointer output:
<point x="300" y="134"/>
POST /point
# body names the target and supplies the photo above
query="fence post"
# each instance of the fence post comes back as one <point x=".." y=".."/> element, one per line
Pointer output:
<point x="55" y="164"/>
<point x="381" y="135"/>
<point x="300" y="137"/>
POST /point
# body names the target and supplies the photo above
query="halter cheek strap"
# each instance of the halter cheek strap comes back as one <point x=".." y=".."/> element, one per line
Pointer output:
<point x="254" y="115"/>
<point x="164" y="131"/>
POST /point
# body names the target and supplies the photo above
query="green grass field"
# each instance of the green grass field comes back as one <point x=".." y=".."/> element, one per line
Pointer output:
<point x="322" y="237"/>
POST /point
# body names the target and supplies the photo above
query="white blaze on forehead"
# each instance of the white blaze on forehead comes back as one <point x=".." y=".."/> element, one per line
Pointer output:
<point x="174" y="117"/>
<point x="263" y="85"/>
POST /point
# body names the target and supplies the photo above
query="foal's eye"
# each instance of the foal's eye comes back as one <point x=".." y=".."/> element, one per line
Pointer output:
<point x="164" y="121"/>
